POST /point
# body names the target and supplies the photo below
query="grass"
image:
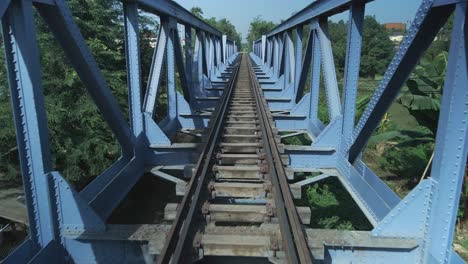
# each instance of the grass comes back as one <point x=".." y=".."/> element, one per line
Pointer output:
<point x="333" y="208"/>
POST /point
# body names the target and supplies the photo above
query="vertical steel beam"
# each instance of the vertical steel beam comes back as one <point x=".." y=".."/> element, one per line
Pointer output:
<point x="298" y="58"/>
<point x="351" y="72"/>
<point x="171" y="89"/>
<point x="289" y="60"/>
<point x="212" y="55"/>
<point x="451" y="147"/>
<point x="275" y="56"/>
<point x="132" y="53"/>
<point x="208" y="54"/>
<point x="305" y="66"/>
<point x="189" y="57"/>
<point x="315" y="78"/>
<point x="215" y="52"/>
<point x="281" y="38"/>
<point x="156" y="69"/>
<point x="329" y="72"/>
<point x="204" y="48"/>
<point x="218" y="51"/>
<point x="179" y="59"/>
<point x="231" y="49"/>
<point x="198" y="59"/>
<point x="214" y="40"/>
<point x="263" y="48"/>
<point x="22" y="57"/>
<point x="225" y="48"/>
<point x="269" y="52"/>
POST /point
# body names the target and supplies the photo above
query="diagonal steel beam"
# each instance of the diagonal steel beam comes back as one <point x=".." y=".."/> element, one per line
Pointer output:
<point x="423" y="30"/>
<point x="60" y="20"/>
<point x="156" y="69"/>
<point x="329" y="72"/>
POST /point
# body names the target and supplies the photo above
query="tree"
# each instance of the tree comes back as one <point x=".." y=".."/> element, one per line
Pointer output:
<point x="258" y="27"/>
<point x="197" y="11"/>
<point x="82" y="145"/>
<point x="229" y="29"/>
<point x="425" y="90"/>
<point x="223" y="25"/>
<point x="338" y="32"/>
<point x="377" y="48"/>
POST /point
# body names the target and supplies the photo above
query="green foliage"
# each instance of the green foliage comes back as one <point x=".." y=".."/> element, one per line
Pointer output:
<point x="333" y="208"/>
<point x="403" y="138"/>
<point x="424" y="90"/>
<point x="377" y="48"/>
<point x="407" y="161"/>
<point x="299" y="140"/>
<point x="338" y="35"/>
<point x="258" y="27"/>
<point x="82" y="145"/>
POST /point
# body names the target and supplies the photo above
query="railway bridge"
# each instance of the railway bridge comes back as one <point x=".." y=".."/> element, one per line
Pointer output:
<point x="237" y="187"/>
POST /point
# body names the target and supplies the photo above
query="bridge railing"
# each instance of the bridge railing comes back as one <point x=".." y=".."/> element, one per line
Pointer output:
<point x="429" y="212"/>
<point x="57" y="213"/>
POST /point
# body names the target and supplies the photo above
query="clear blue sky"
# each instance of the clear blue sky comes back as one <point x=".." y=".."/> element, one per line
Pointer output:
<point x="241" y="12"/>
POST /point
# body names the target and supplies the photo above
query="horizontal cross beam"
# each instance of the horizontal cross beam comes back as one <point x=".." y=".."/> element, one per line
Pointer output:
<point x="317" y="8"/>
<point x="182" y="15"/>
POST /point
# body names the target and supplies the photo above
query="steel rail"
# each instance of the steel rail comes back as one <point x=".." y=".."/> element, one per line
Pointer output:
<point x="182" y="227"/>
<point x="290" y="224"/>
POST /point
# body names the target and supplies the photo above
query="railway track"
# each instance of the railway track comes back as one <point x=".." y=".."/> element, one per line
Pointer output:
<point x="238" y="202"/>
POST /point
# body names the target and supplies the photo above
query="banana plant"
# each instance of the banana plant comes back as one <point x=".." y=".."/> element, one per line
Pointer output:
<point x="423" y="91"/>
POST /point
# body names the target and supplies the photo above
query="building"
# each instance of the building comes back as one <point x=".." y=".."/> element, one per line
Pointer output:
<point x="395" y="26"/>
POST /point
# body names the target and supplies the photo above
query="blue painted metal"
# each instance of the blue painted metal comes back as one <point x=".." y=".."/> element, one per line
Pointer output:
<point x="3" y="7"/>
<point x="428" y="213"/>
<point x="304" y="68"/>
<point x="421" y="34"/>
<point x="58" y="213"/>
<point x="451" y="148"/>
<point x="22" y="56"/>
<point x="55" y="209"/>
<point x="298" y="58"/>
<point x="60" y="20"/>
<point x="329" y="72"/>
<point x="316" y="9"/>
<point x="351" y="72"/>
<point x="173" y="9"/>
<point x="132" y="53"/>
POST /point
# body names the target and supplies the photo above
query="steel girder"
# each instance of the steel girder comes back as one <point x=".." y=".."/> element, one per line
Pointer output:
<point x="428" y="213"/>
<point x="58" y="215"/>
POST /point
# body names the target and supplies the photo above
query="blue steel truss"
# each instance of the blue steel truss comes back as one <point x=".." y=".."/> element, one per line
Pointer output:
<point x="58" y="215"/>
<point x="425" y="219"/>
<point x="63" y="221"/>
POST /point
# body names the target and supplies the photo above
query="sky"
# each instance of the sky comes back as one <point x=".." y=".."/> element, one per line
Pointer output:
<point x="242" y="12"/>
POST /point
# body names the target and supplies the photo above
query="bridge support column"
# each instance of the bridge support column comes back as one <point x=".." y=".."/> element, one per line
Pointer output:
<point x="22" y="57"/>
